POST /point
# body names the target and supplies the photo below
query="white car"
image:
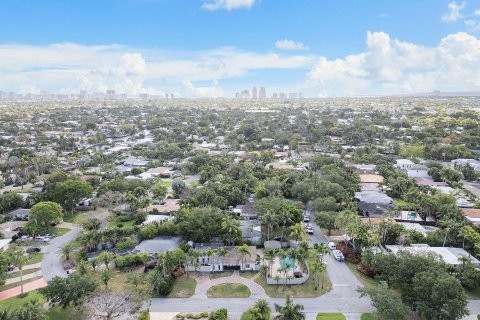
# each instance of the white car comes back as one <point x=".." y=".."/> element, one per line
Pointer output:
<point x="42" y="239"/>
<point x="332" y="245"/>
<point x="338" y="255"/>
<point x="310" y="230"/>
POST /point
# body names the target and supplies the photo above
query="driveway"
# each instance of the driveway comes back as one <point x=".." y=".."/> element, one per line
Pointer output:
<point x="51" y="263"/>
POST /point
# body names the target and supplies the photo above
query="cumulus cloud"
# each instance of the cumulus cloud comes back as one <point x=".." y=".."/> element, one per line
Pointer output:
<point x="477" y="12"/>
<point x="72" y="67"/>
<point x="393" y="66"/>
<point x="213" y="91"/>
<point x="454" y="12"/>
<point x="290" y="45"/>
<point x="228" y="4"/>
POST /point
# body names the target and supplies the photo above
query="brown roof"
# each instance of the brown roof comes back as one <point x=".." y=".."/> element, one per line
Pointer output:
<point x="10" y="228"/>
<point x="371" y="178"/>
<point x="170" y="205"/>
<point x="471" y="213"/>
<point x="233" y="257"/>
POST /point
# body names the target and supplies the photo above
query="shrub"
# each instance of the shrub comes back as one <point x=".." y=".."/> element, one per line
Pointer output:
<point x="204" y="314"/>
<point x="145" y="315"/>
<point x="126" y="243"/>
<point x="220" y="314"/>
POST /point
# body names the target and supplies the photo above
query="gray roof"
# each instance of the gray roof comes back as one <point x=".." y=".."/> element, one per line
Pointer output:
<point x="159" y="244"/>
<point x="373" y="197"/>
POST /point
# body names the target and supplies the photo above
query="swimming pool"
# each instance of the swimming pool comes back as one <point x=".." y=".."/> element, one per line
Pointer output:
<point x="288" y="263"/>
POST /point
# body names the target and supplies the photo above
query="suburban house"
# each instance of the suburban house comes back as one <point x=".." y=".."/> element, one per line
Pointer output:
<point x="475" y="164"/>
<point x="233" y="260"/>
<point x="451" y="256"/>
<point x="20" y="214"/>
<point x="404" y="164"/>
<point x="373" y="203"/>
<point x="251" y="231"/>
<point x="472" y="215"/>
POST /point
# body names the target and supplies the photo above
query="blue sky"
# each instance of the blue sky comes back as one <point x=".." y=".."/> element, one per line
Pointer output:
<point x="218" y="47"/>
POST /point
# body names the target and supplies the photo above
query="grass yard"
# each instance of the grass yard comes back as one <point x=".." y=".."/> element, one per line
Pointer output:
<point x="330" y="316"/>
<point x="365" y="280"/>
<point x="305" y="290"/>
<point x="248" y="274"/>
<point x="60" y="231"/>
<point x="16" y="303"/>
<point x="69" y="313"/>
<point x="35" y="257"/>
<point x="184" y="287"/>
<point x="248" y="316"/>
<point x="17" y="284"/>
<point x="229" y="290"/>
<point x="78" y="217"/>
<point x="25" y="272"/>
<point x="116" y="221"/>
<point x="367" y="316"/>
<point x="223" y="274"/>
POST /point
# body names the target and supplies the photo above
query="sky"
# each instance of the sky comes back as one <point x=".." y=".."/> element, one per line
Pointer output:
<point x="214" y="48"/>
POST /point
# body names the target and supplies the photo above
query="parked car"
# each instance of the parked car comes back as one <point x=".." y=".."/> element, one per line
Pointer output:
<point x="310" y="230"/>
<point x="306" y="218"/>
<point x="25" y="238"/>
<point x="338" y="255"/>
<point x="33" y="249"/>
<point x="332" y="245"/>
<point x="42" y="239"/>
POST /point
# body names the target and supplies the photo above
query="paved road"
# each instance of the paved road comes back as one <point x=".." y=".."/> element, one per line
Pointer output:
<point x="472" y="187"/>
<point x="51" y="263"/>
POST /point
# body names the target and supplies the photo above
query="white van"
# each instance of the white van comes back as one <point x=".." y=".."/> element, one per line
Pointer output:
<point x="332" y="245"/>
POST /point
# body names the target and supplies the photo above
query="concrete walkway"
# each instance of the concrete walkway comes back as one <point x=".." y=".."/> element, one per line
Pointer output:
<point x="204" y="283"/>
<point x="25" y="277"/>
<point x="34" y="285"/>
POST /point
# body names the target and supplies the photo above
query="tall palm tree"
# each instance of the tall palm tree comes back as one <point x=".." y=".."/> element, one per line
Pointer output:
<point x="297" y="231"/>
<point x="66" y="250"/>
<point x="263" y="307"/>
<point x="317" y="268"/>
<point x="211" y="253"/>
<point x="231" y="230"/>
<point x="18" y="259"/>
<point x="269" y="254"/>
<point x="244" y="252"/>
<point x="290" y="311"/>
<point x="106" y="276"/>
<point x="221" y="252"/>
<point x="106" y="257"/>
<point x="322" y="250"/>
<point x="270" y="219"/>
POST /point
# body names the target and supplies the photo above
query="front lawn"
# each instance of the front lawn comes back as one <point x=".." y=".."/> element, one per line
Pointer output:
<point x="25" y="272"/>
<point x="305" y="290"/>
<point x="16" y="303"/>
<point x="248" y="274"/>
<point x="184" y="287"/>
<point x="34" y="258"/>
<point x="58" y="232"/>
<point x="368" y="316"/>
<point x="365" y="280"/>
<point x="330" y="316"/>
<point x="229" y="290"/>
<point x="215" y="275"/>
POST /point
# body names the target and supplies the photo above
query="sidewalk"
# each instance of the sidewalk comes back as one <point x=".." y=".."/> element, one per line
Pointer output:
<point x="25" y="277"/>
<point x="37" y="284"/>
<point x="28" y="267"/>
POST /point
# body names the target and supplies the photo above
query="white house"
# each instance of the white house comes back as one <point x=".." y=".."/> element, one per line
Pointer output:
<point x="233" y="260"/>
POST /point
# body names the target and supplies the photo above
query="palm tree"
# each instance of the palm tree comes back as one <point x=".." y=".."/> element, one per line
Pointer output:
<point x="269" y="219"/>
<point x="270" y="256"/>
<point x="31" y="311"/>
<point x="66" y="250"/>
<point x="211" y="253"/>
<point x="297" y="231"/>
<point x="18" y="259"/>
<point x="263" y="307"/>
<point x="106" y="258"/>
<point x="106" y="276"/>
<point x="83" y="268"/>
<point x="290" y="311"/>
<point x="322" y="250"/>
<point x="94" y="264"/>
<point x="221" y="252"/>
<point x="317" y="268"/>
<point x="244" y="252"/>
<point x="145" y="257"/>
<point x="231" y="230"/>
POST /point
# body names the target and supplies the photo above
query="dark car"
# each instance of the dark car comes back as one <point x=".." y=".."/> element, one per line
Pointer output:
<point x="33" y="249"/>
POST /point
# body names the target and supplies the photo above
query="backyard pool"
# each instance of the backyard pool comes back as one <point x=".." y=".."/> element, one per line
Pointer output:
<point x="288" y="263"/>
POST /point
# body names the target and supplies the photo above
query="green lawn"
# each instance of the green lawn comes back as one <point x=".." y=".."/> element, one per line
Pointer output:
<point x="35" y="257"/>
<point x="368" y="316"/>
<point x="365" y="280"/>
<point x="69" y="313"/>
<point x="16" y="303"/>
<point x="116" y="222"/>
<point x="25" y="272"/>
<point x="330" y="316"/>
<point x="184" y="287"/>
<point x="305" y="290"/>
<point x="229" y="290"/>
<point x="17" y="284"/>
<point x="78" y="217"/>
<point x="215" y="275"/>
<point x="60" y="231"/>
<point x="248" y="274"/>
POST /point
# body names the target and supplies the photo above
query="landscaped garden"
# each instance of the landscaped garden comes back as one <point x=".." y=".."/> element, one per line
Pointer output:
<point x="229" y="290"/>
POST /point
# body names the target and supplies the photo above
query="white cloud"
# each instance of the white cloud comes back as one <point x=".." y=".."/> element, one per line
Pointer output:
<point x="454" y="12"/>
<point x="71" y="67"/>
<point x="393" y="66"/>
<point x="473" y="25"/>
<point x="477" y="12"/>
<point x="214" y="91"/>
<point x="286" y="44"/>
<point x="228" y="4"/>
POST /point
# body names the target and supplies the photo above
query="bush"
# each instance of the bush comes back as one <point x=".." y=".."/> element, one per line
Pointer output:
<point x="351" y="255"/>
<point x="145" y="315"/>
<point x="128" y="260"/>
<point x="165" y="286"/>
<point x="220" y="314"/>
<point x="204" y="314"/>
<point x="126" y="243"/>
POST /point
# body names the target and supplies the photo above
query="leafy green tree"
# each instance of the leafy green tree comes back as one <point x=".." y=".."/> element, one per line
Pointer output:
<point x="158" y="190"/>
<point x="18" y="259"/>
<point x="326" y="220"/>
<point x="439" y="295"/>
<point x="31" y="311"/>
<point x="325" y="204"/>
<point x="69" y="291"/>
<point x="290" y="311"/>
<point x="69" y="192"/>
<point x="264" y="308"/>
<point x="45" y="213"/>
<point x="389" y="306"/>
<point x="4" y="262"/>
<point x="66" y="250"/>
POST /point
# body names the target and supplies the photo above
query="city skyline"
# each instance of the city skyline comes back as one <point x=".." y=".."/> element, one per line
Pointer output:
<point x="212" y="48"/>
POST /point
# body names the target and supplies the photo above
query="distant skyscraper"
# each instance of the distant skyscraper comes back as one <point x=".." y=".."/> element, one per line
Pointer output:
<point x="237" y="95"/>
<point x="110" y="91"/>
<point x="275" y="95"/>
<point x="166" y="95"/>
<point x="254" y="93"/>
<point x="282" y="95"/>
<point x="292" y="95"/>
<point x="245" y="94"/>
<point x="263" y="93"/>
<point x="171" y="96"/>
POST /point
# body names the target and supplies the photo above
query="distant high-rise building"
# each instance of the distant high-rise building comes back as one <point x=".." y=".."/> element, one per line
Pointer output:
<point x="237" y="95"/>
<point x="171" y="96"/>
<point x="292" y="95"/>
<point x="300" y="95"/>
<point x="282" y="95"/>
<point x="245" y="94"/>
<point x="263" y="93"/>
<point x="275" y="95"/>
<point x="110" y="91"/>
<point x="166" y="95"/>
<point x="254" y="93"/>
